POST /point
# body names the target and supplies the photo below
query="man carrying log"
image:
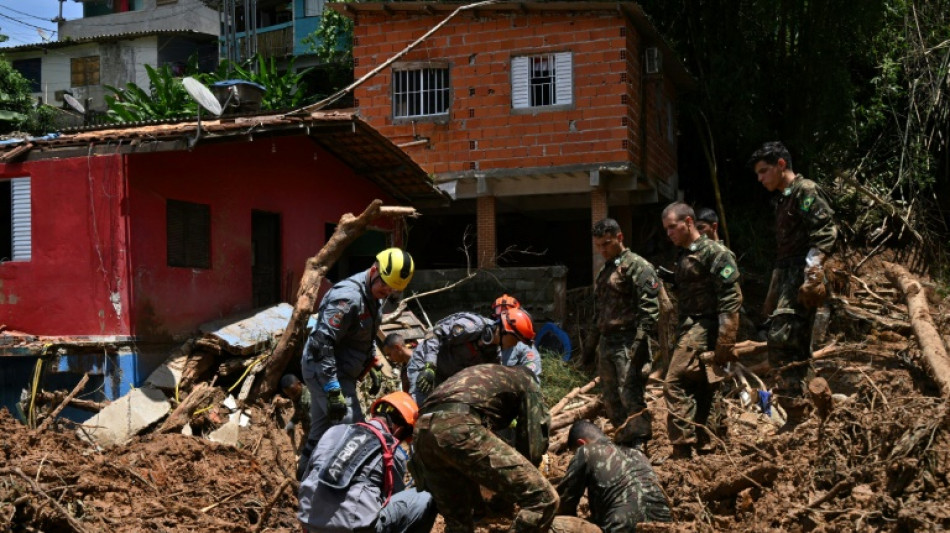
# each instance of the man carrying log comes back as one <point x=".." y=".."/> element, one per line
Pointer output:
<point x="341" y="348"/>
<point x="805" y="235"/>
<point x="626" y="311"/>
<point x="622" y="488"/>
<point x="457" y="449"/>
<point x="708" y="295"/>
<point x="356" y="479"/>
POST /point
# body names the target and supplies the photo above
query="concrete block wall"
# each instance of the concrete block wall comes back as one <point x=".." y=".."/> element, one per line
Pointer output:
<point x="541" y="291"/>
<point x="482" y="132"/>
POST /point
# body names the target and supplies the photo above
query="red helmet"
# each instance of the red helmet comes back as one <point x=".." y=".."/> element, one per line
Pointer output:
<point x="503" y="303"/>
<point x="401" y="402"/>
<point x="517" y="321"/>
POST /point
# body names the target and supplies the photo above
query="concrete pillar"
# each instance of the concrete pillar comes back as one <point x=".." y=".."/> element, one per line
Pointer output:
<point x="598" y="212"/>
<point x="486" y="233"/>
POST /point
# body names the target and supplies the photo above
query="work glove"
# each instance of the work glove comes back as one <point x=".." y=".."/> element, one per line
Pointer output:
<point x="336" y="405"/>
<point x="376" y="380"/>
<point x="289" y="428"/>
<point x="726" y="341"/>
<point x="425" y="382"/>
<point x="812" y="293"/>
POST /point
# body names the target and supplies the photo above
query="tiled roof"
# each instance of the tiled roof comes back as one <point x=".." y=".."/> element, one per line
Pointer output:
<point x="51" y="45"/>
<point x="341" y="132"/>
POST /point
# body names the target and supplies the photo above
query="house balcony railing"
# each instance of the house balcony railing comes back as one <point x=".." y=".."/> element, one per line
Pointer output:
<point x="271" y="42"/>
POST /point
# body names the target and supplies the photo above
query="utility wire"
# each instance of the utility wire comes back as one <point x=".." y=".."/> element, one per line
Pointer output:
<point x="25" y="14"/>
<point x="26" y="23"/>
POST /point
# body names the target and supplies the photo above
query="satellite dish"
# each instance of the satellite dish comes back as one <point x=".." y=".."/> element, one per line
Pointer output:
<point x="202" y="95"/>
<point x="73" y="103"/>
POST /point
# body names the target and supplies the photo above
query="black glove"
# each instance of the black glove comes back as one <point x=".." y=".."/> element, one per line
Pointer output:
<point x="425" y="382"/>
<point x="336" y="405"/>
<point x="376" y="380"/>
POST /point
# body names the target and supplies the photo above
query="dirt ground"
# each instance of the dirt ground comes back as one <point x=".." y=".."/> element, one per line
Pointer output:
<point x="880" y="461"/>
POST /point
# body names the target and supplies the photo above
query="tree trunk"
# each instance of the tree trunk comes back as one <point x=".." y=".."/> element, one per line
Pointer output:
<point x="568" y="418"/>
<point x="935" y="354"/>
<point x="571" y="395"/>
<point x="348" y="230"/>
<point x="182" y="414"/>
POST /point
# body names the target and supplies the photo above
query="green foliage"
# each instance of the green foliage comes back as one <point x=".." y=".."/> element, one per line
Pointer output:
<point x="166" y="98"/>
<point x="332" y="43"/>
<point x="558" y="378"/>
<point x="16" y="101"/>
<point x="284" y="88"/>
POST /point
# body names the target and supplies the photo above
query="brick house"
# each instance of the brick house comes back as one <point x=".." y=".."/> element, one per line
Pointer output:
<point x="537" y="118"/>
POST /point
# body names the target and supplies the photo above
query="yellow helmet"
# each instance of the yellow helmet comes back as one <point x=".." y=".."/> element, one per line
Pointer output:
<point x="395" y="267"/>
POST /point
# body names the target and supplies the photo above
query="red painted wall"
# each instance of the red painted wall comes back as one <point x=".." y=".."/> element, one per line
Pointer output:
<point x="76" y="282"/>
<point x="288" y="175"/>
<point x="482" y="131"/>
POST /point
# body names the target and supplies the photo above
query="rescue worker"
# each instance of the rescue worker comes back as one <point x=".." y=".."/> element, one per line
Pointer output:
<point x="397" y="351"/>
<point x="503" y="303"/>
<point x="341" y="348"/>
<point x="709" y="298"/>
<point x="459" y="341"/>
<point x="626" y="307"/>
<point x="300" y="396"/>
<point x="516" y="349"/>
<point x="622" y="488"/>
<point x="707" y="223"/>
<point x="355" y="482"/>
<point x="456" y="450"/>
<point x="805" y="237"/>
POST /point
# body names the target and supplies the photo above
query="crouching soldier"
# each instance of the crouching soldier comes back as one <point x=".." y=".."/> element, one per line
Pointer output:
<point x="355" y="479"/>
<point x="622" y="488"/>
<point x="456" y="449"/>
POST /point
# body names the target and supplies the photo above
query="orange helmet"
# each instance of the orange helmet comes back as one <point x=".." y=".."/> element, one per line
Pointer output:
<point x="517" y="321"/>
<point x="401" y="402"/>
<point x="503" y="303"/>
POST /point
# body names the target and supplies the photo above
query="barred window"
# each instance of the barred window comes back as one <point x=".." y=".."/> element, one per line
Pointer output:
<point x="420" y="92"/>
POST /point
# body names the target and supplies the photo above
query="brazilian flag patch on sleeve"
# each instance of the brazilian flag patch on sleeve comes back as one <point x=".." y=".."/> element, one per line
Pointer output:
<point x="807" y="203"/>
<point x="727" y="271"/>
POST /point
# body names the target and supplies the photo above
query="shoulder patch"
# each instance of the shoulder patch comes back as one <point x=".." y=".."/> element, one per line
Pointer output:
<point x="336" y="319"/>
<point x="807" y="202"/>
<point x="458" y="329"/>
<point x="727" y="271"/>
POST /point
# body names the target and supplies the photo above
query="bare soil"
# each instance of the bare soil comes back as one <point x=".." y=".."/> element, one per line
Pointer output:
<point x="880" y="461"/>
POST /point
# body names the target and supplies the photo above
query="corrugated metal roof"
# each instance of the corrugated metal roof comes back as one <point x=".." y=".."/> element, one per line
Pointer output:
<point x="341" y="132"/>
<point x="125" y="36"/>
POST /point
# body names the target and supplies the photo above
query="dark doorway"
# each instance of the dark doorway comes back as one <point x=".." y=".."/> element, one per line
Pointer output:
<point x="265" y="258"/>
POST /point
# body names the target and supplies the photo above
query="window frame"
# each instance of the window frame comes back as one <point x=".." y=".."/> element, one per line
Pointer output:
<point x="421" y="67"/>
<point x="190" y="246"/>
<point x="85" y="74"/>
<point x="27" y="67"/>
<point x="522" y="89"/>
<point x="20" y="233"/>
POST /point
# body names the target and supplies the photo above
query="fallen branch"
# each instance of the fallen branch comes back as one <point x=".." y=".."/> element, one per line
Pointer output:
<point x="270" y="505"/>
<point x="72" y="394"/>
<point x="935" y="354"/>
<point x="587" y="411"/>
<point x="887" y="205"/>
<point x="55" y="397"/>
<point x="182" y="414"/>
<point x="559" y="406"/>
<point x="39" y="490"/>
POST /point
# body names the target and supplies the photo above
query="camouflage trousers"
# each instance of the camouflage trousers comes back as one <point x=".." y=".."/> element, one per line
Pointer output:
<point x="455" y="454"/>
<point x="620" y="367"/>
<point x="789" y="341"/>
<point x="690" y="398"/>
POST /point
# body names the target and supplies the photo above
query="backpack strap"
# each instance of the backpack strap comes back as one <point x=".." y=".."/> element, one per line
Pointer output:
<point x="388" y="465"/>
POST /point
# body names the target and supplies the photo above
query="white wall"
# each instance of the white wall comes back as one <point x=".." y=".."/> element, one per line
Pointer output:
<point x="183" y="15"/>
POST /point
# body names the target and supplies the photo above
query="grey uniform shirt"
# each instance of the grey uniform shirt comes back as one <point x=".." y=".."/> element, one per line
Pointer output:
<point x="453" y="344"/>
<point x="522" y="355"/>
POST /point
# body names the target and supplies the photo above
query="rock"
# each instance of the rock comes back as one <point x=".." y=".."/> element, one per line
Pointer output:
<point x="228" y="433"/>
<point x="127" y="416"/>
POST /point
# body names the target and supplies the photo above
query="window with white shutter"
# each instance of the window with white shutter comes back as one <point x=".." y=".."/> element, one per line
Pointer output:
<point x="542" y="80"/>
<point x="313" y="8"/>
<point x="16" y="231"/>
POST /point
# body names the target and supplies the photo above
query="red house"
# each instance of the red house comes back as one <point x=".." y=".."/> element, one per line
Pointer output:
<point x="538" y="118"/>
<point x="141" y="233"/>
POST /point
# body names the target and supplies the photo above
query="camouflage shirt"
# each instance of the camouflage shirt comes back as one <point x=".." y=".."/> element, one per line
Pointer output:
<point x="625" y="294"/>
<point x="621" y="487"/>
<point x="499" y="395"/>
<point x="707" y="280"/>
<point x="803" y="220"/>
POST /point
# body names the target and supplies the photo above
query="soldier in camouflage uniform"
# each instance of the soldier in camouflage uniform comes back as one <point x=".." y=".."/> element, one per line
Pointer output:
<point x="708" y="295"/>
<point x="625" y="297"/>
<point x="456" y="449"/>
<point x="622" y="488"/>
<point x="805" y="235"/>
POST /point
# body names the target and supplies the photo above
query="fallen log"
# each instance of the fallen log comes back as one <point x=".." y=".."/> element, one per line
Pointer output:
<point x="57" y="397"/>
<point x="348" y="230"/>
<point x="747" y="348"/>
<point x="568" y="418"/>
<point x="558" y="442"/>
<point x="763" y="474"/>
<point x="935" y="354"/>
<point x="182" y="414"/>
<point x="559" y="406"/>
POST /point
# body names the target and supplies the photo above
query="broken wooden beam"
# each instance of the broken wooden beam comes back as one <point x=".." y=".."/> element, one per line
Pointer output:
<point x="559" y="406"/>
<point x="182" y="414"/>
<point x="52" y="416"/>
<point x="57" y="397"/>
<point x="585" y="411"/>
<point x="935" y="354"/>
